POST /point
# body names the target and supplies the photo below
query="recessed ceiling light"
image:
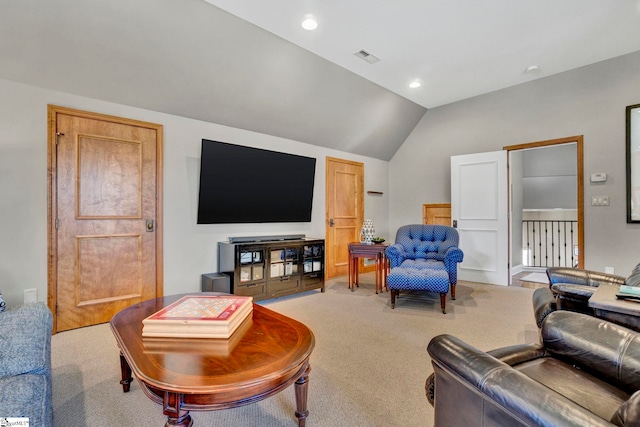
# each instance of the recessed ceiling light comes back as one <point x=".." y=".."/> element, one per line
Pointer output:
<point x="309" y="23"/>
<point x="415" y="84"/>
<point x="531" y="69"/>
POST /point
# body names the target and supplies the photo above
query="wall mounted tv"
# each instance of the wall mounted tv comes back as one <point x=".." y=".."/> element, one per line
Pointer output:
<point x="249" y="185"/>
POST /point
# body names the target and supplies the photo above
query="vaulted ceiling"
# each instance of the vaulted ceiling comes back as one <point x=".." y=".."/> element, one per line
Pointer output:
<point x="248" y="64"/>
<point x="458" y="48"/>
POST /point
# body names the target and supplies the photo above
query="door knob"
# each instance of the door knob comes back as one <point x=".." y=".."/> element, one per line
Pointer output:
<point x="331" y="222"/>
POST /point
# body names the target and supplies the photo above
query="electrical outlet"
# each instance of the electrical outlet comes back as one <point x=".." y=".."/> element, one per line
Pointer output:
<point x="30" y="296"/>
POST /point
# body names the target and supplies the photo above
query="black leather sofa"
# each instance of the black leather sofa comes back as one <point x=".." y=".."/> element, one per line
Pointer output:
<point x="585" y="372"/>
<point x="571" y="288"/>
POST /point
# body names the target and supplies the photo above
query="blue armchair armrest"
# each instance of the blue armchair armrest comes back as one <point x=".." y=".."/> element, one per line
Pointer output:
<point x="453" y="255"/>
<point x="396" y="254"/>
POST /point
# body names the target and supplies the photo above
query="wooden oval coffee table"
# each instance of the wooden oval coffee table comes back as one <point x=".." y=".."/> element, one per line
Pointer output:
<point x="268" y="353"/>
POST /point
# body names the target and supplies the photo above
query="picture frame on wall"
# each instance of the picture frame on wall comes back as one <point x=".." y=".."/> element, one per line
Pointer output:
<point x="633" y="163"/>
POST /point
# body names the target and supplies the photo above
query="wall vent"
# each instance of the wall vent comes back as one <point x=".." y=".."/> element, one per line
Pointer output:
<point x="367" y="56"/>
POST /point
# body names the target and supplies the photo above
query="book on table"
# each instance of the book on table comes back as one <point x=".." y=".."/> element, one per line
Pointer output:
<point x="631" y="290"/>
<point x="199" y="316"/>
<point x="629" y="293"/>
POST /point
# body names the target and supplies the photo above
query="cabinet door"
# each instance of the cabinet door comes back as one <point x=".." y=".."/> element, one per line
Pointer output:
<point x="251" y="264"/>
<point x="283" y="261"/>
<point x="313" y="265"/>
<point x="284" y="277"/>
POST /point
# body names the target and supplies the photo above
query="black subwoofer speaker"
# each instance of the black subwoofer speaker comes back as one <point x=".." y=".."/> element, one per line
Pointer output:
<point x="215" y="282"/>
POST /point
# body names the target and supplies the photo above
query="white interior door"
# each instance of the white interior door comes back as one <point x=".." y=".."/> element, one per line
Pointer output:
<point x="479" y="210"/>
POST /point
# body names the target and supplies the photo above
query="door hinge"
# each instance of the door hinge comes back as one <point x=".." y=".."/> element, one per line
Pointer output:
<point x="58" y="134"/>
<point x="57" y="223"/>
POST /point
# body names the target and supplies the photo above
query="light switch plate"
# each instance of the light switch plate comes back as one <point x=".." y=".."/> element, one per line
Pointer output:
<point x="600" y="201"/>
<point x="598" y="177"/>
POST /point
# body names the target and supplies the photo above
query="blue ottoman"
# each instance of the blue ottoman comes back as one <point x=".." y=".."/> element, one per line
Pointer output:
<point x="419" y="279"/>
<point x="423" y="264"/>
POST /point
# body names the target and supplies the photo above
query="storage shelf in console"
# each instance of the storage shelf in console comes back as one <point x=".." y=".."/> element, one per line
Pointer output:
<point x="271" y="268"/>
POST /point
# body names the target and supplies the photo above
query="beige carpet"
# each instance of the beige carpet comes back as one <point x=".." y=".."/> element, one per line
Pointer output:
<point x="368" y="367"/>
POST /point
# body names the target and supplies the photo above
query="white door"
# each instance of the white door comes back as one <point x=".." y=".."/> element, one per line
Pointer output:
<point x="480" y="212"/>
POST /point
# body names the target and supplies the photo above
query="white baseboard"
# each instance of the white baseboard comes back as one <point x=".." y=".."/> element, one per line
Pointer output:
<point x="516" y="269"/>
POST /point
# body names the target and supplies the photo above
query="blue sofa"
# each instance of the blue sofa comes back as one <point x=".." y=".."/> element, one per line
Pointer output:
<point x="25" y="364"/>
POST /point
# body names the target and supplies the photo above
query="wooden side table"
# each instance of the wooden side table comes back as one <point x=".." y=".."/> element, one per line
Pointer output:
<point x="358" y="250"/>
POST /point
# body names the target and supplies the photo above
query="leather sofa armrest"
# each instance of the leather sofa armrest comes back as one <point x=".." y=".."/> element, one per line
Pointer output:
<point x="628" y="414"/>
<point x="573" y="291"/>
<point x="482" y="385"/>
<point x="544" y="303"/>
<point x="573" y="297"/>
<point x="511" y="355"/>
<point x="519" y="353"/>
<point x="582" y="277"/>
<point x="606" y="350"/>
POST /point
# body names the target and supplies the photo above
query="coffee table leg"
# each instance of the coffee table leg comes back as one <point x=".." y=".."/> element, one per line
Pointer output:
<point x="176" y="416"/>
<point x="301" y="387"/>
<point x="126" y="374"/>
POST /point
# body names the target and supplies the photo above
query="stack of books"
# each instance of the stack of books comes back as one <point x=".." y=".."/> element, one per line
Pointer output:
<point x="631" y="293"/>
<point x="199" y="316"/>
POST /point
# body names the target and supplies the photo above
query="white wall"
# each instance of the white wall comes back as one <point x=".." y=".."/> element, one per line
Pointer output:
<point x="588" y="101"/>
<point x="189" y="249"/>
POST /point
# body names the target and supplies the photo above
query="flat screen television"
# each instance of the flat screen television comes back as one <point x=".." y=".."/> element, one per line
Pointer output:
<point x="250" y="185"/>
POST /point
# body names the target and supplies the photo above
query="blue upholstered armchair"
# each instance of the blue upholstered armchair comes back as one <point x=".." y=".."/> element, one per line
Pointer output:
<point x="426" y="246"/>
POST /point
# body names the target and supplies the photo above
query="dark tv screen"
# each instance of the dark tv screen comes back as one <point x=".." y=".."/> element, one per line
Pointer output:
<point x="250" y="185"/>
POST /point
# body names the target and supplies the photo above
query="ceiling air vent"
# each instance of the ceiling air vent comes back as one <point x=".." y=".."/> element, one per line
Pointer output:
<point x="366" y="56"/>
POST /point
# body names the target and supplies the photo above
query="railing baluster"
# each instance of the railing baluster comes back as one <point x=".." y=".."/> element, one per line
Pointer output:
<point x="546" y="246"/>
<point x="534" y="243"/>
<point x="573" y="243"/>
<point x="528" y="261"/>
<point x="551" y="246"/>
